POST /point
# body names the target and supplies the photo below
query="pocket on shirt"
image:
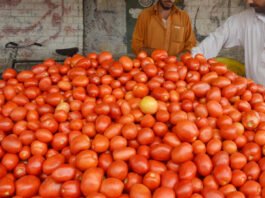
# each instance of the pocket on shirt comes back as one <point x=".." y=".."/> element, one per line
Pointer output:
<point x="178" y="33"/>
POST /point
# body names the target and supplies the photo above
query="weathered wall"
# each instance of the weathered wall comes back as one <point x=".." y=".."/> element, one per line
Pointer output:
<point x="105" y="26"/>
<point x="53" y="23"/>
<point x="105" y="22"/>
<point x="60" y="24"/>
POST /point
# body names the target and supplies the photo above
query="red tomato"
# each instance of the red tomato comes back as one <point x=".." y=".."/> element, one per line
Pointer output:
<point x="80" y="143"/>
<point x="250" y="120"/>
<point x="214" y="108"/>
<point x="123" y="153"/>
<point x="204" y="164"/>
<point x="151" y="180"/>
<point x="71" y="189"/>
<point x="63" y="173"/>
<point x="92" y="177"/>
<point x="27" y="186"/>
<point x="86" y="159"/>
<point x="34" y="165"/>
<point x="118" y="169"/>
<point x="160" y="152"/>
<point x="187" y="170"/>
<point x="222" y="174"/>
<point x="252" y="170"/>
<point x="140" y="191"/>
<point x="164" y="192"/>
<point x="169" y="179"/>
<point x="139" y="164"/>
<point x="182" y="153"/>
<point x="159" y="55"/>
<point x="7" y="187"/>
<point x="49" y="188"/>
<point x="184" y="189"/>
<point x="131" y="179"/>
<point x="208" y="193"/>
<point x="126" y="62"/>
<point x="11" y="144"/>
<point x="186" y="130"/>
<point x="251" y="188"/>
<point x="238" y="178"/>
<point x="111" y="187"/>
<point x="10" y="161"/>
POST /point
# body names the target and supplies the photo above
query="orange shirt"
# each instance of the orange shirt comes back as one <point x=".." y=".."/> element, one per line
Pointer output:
<point x="151" y="32"/>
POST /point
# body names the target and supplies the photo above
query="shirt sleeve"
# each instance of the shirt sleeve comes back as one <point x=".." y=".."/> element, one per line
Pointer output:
<point x="190" y="40"/>
<point x="138" y="34"/>
<point x="226" y="36"/>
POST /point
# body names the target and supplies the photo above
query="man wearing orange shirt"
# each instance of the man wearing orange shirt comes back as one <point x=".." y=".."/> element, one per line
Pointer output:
<point x="163" y="26"/>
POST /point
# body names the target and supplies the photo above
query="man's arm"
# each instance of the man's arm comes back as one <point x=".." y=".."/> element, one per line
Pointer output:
<point x="190" y="40"/>
<point x="226" y="36"/>
<point x="138" y="34"/>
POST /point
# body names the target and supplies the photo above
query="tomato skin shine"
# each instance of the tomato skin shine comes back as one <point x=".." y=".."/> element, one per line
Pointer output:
<point x="154" y="125"/>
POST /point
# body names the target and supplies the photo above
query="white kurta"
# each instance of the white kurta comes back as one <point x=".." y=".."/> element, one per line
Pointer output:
<point x="245" y="29"/>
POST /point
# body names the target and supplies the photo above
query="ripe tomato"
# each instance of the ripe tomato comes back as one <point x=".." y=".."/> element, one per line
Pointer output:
<point x="250" y="120"/>
<point x="186" y="130"/>
<point x="92" y="177"/>
<point x="151" y="180"/>
<point x="140" y="191"/>
<point x="222" y="174"/>
<point x="118" y="169"/>
<point x="10" y="161"/>
<point x="49" y="188"/>
<point x="187" y="170"/>
<point x="160" y="152"/>
<point x="182" y="153"/>
<point x="34" y="166"/>
<point x="184" y="189"/>
<point x="27" y="186"/>
<point x="111" y="187"/>
<point x="131" y="179"/>
<point x="139" y="164"/>
<point x="208" y="193"/>
<point x="164" y="192"/>
<point x="71" y="189"/>
<point x="238" y="178"/>
<point x="251" y="188"/>
<point x="7" y="187"/>
<point x="204" y="164"/>
<point x="80" y="143"/>
<point x="124" y="153"/>
<point x="11" y="144"/>
<point x="214" y="108"/>
<point x="63" y="173"/>
<point x="86" y="159"/>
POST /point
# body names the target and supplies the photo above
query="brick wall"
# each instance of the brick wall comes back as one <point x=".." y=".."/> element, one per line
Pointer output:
<point x="53" y="23"/>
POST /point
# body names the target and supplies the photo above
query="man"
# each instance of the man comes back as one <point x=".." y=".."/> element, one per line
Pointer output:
<point x="245" y="29"/>
<point x="163" y="26"/>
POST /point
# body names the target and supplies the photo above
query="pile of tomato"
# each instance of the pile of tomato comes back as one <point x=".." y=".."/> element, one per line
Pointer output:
<point x="152" y="126"/>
